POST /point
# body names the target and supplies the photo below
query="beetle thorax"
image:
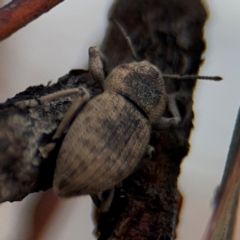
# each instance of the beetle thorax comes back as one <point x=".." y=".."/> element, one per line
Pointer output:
<point x="141" y="82"/>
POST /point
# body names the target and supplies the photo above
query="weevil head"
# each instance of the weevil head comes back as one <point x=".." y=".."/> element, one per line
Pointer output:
<point x="141" y="82"/>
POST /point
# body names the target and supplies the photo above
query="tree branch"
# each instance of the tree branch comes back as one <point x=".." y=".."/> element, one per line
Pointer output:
<point x="166" y="33"/>
<point x="18" y="13"/>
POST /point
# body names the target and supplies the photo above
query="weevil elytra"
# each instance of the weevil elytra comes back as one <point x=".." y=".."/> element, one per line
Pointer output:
<point x="109" y="137"/>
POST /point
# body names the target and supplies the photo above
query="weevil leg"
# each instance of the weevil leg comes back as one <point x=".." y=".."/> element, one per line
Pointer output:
<point x="150" y="150"/>
<point x="27" y="103"/>
<point x="172" y="106"/>
<point x="128" y="39"/>
<point x="49" y="97"/>
<point x="165" y="123"/>
<point x="81" y="98"/>
<point x="95" y="65"/>
<point x="60" y="94"/>
<point x="172" y="121"/>
<point x="103" y="200"/>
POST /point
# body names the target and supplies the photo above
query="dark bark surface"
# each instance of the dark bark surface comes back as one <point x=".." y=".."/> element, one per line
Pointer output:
<point x="170" y="35"/>
<point x="24" y="130"/>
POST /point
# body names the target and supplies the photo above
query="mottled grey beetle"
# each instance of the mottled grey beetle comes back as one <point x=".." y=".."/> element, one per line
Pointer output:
<point x="109" y="137"/>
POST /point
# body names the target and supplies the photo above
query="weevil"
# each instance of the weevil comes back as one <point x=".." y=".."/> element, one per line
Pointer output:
<point x="110" y="136"/>
<point x="107" y="140"/>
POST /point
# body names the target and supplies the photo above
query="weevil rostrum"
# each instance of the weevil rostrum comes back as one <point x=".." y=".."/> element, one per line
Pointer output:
<point x="110" y="136"/>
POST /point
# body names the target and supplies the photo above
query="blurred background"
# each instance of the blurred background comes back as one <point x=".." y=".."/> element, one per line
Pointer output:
<point x="57" y="42"/>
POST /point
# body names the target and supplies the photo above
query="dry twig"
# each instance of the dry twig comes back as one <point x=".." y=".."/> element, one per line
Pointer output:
<point x="18" y="13"/>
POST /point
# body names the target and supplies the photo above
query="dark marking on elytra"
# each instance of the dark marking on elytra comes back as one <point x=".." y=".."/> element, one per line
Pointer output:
<point x="110" y="135"/>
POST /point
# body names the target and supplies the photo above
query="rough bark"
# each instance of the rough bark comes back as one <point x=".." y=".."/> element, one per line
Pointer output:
<point x="170" y="35"/>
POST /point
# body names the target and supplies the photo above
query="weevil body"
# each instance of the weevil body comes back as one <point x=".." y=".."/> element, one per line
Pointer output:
<point x="107" y="140"/>
<point x="101" y="147"/>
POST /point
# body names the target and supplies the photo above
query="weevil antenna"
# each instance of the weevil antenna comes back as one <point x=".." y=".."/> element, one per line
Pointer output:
<point x="175" y="76"/>
<point x="129" y="42"/>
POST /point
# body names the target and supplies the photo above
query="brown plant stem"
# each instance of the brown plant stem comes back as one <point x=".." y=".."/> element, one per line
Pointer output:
<point x="223" y="220"/>
<point x="18" y="13"/>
